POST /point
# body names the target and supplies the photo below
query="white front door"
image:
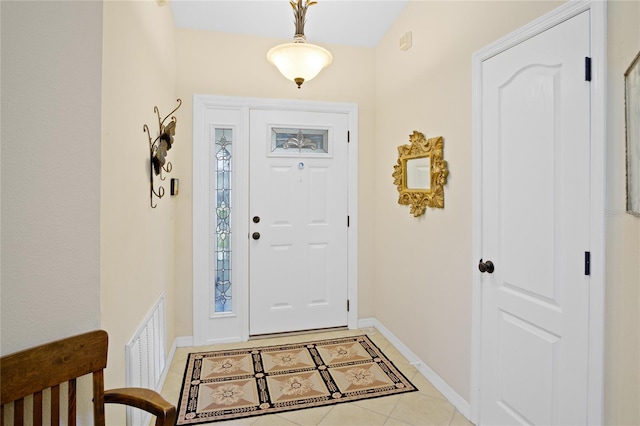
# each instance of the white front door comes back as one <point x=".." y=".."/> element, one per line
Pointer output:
<point x="298" y="220"/>
<point x="535" y="230"/>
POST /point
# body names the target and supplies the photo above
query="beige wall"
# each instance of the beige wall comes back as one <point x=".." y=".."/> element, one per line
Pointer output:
<point x="137" y="242"/>
<point x="231" y="65"/>
<point x="622" y="322"/>
<point x="423" y="266"/>
<point x="51" y="77"/>
<point x="51" y="73"/>
<point x="428" y="89"/>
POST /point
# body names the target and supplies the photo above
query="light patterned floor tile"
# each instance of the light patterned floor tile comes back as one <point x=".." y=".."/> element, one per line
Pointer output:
<point x="393" y="422"/>
<point x="307" y="417"/>
<point x="394" y="355"/>
<point x="271" y="420"/>
<point x="380" y="341"/>
<point x="407" y="369"/>
<point x="173" y="385"/>
<point x="352" y="415"/>
<point x="247" y="421"/>
<point x="459" y="420"/>
<point x="424" y="386"/>
<point x="383" y="405"/>
<point x="418" y="409"/>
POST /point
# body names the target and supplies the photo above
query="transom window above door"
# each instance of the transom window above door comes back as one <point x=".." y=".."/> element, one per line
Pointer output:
<point x="287" y="141"/>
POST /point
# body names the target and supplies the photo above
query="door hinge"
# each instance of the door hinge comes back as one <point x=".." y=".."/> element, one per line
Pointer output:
<point x="347" y="305"/>
<point x="348" y="136"/>
<point x="348" y="221"/>
<point x="587" y="68"/>
<point x="587" y="263"/>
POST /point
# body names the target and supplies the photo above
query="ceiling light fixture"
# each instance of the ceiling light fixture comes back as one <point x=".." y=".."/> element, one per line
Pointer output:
<point x="299" y="61"/>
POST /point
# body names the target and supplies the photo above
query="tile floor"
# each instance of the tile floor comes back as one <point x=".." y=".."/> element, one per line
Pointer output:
<point x="422" y="408"/>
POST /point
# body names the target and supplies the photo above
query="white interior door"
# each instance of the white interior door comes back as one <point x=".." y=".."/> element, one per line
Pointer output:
<point x="298" y="220"/>
<point x="535" y="229"/>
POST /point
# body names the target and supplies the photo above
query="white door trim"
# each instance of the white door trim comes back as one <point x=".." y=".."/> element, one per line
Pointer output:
<point x="237" y="324"/>
<point x="598" y="15"/>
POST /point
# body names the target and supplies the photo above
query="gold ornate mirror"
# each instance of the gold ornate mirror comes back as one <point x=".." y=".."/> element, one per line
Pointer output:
<point x="421" y="173"/>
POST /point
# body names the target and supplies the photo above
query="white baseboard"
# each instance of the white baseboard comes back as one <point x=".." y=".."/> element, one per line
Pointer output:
<point x="442" y="386"/>
<point x="178" y="342"/>
<point x="167" y="366"/>
<point x="366" y="323"/>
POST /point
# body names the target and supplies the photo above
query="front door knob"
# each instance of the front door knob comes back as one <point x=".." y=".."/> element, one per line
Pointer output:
<point x="255" y="235"/>
<point x="486" y="266"/>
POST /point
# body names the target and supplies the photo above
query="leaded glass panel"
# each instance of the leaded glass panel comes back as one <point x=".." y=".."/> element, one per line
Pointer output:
<point x="222" y="243"/>
<point x="296" y="141"/>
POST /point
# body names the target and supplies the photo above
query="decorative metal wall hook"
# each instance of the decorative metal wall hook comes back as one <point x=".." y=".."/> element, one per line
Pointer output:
<point x="158" y="148"/>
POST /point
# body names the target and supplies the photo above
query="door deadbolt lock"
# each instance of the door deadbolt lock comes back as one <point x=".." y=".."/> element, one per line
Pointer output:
<point x="255" y="235"/>
<point x="256" y="219"/>
<point x="486" y="266"/>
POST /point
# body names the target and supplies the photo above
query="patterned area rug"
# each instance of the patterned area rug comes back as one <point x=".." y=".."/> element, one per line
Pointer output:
<point x="230" y="384"/>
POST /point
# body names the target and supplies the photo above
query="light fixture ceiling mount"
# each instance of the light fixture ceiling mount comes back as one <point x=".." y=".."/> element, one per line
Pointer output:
<point x="299" y="61"/>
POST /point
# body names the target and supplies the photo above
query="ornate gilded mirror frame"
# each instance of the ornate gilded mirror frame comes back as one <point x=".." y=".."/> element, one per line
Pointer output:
<point x="421" y="188"/>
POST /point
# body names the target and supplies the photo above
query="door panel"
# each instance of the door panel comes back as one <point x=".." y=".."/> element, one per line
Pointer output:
<point x="527" y="150"/>
<point x="298" y="266"/>
<point x="535" y="228"/>
<point x="526" y="353"/>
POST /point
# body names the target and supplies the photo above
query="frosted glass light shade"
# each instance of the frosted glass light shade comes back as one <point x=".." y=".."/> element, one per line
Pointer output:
<point x="299" y="62"/>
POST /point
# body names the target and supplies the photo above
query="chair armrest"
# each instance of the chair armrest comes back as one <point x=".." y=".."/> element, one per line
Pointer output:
<point x="145" y="399"/>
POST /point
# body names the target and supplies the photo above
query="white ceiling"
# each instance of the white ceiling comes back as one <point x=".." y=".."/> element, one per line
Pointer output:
<point x="348" y="22"/>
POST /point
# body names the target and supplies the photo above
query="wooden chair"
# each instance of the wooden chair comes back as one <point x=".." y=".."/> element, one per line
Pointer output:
<point x="31" y="371"/>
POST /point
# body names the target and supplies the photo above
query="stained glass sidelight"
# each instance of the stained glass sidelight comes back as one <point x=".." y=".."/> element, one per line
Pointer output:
<point x="222" y="243"/>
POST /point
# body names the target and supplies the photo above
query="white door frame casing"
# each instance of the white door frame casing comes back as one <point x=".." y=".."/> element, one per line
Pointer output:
<point x="234" y="112"/>
<point x="598" y="18"/>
